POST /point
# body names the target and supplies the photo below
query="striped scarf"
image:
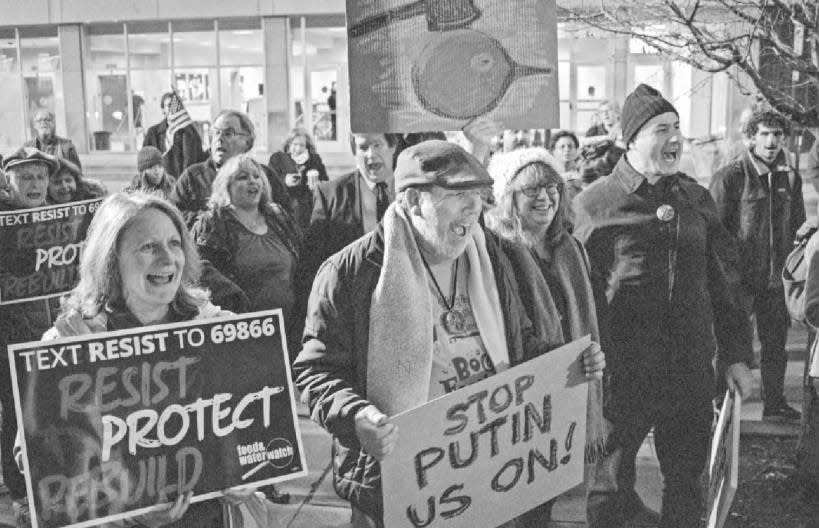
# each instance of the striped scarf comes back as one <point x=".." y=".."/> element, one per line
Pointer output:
<point x="178" y="118"/>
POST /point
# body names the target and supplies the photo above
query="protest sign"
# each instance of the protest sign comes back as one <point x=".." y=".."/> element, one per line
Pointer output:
<point x="493" y="450"/>
<point x="42" y="249"/>
<point x="723" y="466"/>
<point x="439" y="65"/>
<point x="116" y="423"/>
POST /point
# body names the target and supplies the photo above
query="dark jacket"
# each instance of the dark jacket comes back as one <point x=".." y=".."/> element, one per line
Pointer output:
<point x="301" y="197"/>
<point x="185" y="151"/>
<point x="336" y="220"/>
<point x="193" y="188"/>
<point x="331" y="370"/>
<point x="764" y="223"/>
<point x="59" y="146"/>
<point x="216" y="237"/>
<point x="667" y="293"/>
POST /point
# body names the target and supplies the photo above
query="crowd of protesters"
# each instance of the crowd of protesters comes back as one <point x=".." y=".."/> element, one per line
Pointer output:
<point x="427" y="252"/>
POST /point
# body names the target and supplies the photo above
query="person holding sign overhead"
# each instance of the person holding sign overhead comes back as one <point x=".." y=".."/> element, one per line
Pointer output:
<point x="28" y="171"/>
<point x="140" y="268"/>
<point x="420" y="307"/>
<point x="664" y="274"/>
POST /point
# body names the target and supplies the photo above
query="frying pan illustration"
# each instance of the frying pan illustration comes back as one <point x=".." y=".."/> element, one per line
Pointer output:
<point x="482" y="66"/>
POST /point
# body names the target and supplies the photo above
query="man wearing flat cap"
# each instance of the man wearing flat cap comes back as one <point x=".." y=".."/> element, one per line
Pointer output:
<point x="423" y="292"/>
<point x="27" y="173"/>
<point x="664" y="271"/>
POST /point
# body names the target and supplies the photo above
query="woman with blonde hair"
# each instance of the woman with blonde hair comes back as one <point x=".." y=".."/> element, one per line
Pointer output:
<point x="530" y="217"/>
<point x="249" y="245"/>
<point x="139" y="268"/>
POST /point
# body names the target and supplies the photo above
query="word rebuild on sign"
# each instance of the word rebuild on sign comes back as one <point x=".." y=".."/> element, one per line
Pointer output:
<point x="48" y="243"/>
<point x="150" y="400"/>
<point x="519" y="432"/>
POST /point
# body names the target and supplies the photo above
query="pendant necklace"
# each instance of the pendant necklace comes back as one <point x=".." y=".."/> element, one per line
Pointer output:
<point x="452" y="320"/>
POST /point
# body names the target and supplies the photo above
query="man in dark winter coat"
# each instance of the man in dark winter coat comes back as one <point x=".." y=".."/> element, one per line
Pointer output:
<point x="186" y="148"/>
<point x="759" y="200"/>
<point x="666" y="287"/>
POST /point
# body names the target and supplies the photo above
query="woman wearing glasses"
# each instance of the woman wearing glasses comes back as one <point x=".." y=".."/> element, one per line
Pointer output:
<point x="530" y="218"/>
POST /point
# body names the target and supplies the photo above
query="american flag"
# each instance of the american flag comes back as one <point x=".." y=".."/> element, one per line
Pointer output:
<point x="178" y="119"/>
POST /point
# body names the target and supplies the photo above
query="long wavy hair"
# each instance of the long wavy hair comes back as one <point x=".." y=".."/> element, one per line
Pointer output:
<point x="100" y="283"/>
<point x="220" y="196"/>
<point x="505" y="219"/>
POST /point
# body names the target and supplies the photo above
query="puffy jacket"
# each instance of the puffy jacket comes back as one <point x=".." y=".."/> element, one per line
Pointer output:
<point x="764" y="222"/>
<point x="331" y="370"/>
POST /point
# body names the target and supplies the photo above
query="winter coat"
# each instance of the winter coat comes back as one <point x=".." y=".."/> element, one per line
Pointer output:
<point x="60" y="147"/>
<point x="331" y="370"/>
<point x="764" y="223"/>
<point x="301" y="196"/>
<point x="185" y="151"/>
<point x="667" y="292"/>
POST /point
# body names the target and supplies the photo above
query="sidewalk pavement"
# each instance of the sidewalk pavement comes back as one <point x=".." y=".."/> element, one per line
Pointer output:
<point x="314" y="504"/>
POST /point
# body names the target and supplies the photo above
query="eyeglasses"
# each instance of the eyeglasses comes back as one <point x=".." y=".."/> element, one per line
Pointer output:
<point x="533" y="191"/>
<point x="226" y="133"/>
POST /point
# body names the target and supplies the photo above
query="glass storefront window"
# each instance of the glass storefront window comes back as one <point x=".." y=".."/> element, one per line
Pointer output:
<point x="194" y="43"/>
<point x="149" y="54"/>
<point x="106" y="86"/>
<point x="242" y="88"/>
<point x="40" y="60"/>
<point x="241" y="43"/>
<point x="12" y="126"/>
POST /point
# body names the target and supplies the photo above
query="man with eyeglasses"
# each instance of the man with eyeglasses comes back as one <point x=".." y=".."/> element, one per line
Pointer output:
<point x="232" y="133"/>
<point x="667" y="291"/>
<point x="46" y="140"/>
<point x="185" y="148"/>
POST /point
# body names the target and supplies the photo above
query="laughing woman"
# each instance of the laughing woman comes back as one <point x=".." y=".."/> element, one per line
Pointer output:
<point x="530" y="218"/>
<point x="249" y="245"/>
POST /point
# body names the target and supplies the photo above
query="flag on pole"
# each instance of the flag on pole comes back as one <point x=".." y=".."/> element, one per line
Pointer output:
<point x="178" y="118"/>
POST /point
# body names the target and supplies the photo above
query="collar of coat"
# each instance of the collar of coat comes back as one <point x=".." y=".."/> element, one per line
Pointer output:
<point x="780" y="164"/>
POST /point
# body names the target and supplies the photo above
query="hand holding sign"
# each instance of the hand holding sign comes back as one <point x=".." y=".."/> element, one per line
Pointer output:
<point x="594" y="361"/>
<point x="738" y="378"/>
<point x="173" y="513"/>
<point x="376" y="435"/>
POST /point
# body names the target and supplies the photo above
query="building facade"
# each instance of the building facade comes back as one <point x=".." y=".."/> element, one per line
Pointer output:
<point x="103" y="65"/>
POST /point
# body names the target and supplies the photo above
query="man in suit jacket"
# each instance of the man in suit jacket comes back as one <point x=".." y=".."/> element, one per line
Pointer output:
<point x="346" y="208"/>
<point x="187" y="144"/>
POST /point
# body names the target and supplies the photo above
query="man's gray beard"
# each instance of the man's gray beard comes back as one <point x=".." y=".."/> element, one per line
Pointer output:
<point x="432" y="245"/>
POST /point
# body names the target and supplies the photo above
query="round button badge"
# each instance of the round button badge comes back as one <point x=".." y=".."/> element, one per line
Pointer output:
<point x="665" y="213"/>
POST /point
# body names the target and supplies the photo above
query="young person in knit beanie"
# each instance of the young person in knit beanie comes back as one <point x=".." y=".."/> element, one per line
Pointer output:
<point x="151" y="175"/>
<point x="667" y="291"/>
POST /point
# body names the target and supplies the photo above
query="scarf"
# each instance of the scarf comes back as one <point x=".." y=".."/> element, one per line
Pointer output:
<point x="401" y="326"/>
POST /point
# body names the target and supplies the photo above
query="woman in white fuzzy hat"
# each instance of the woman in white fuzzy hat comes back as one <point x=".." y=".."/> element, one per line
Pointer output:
<point x="530" y="217"/>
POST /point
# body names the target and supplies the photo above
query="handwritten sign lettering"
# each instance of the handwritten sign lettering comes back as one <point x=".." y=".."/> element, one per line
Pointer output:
<point x="42" y="250"/>
<point x="117" y="423"/>
<point x="518" y="433"/>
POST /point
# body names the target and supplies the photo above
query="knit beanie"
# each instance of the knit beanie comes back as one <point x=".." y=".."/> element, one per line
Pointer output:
<point x="504" y="166"/>
<point x="641" y="105"/>
<point x="148" y="157"/>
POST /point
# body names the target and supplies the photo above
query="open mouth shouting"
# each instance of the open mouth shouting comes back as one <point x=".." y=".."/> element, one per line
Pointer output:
<point x="671" y="155"/>
<point x="161" y="279"/>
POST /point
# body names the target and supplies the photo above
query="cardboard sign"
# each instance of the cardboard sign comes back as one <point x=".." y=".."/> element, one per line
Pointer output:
<point x="117" y="423"/>
<point x="723" y="466"/>
<point x="438" y="65"/>
<point x="42" y="249"/>
<point x="486" y="453"/>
